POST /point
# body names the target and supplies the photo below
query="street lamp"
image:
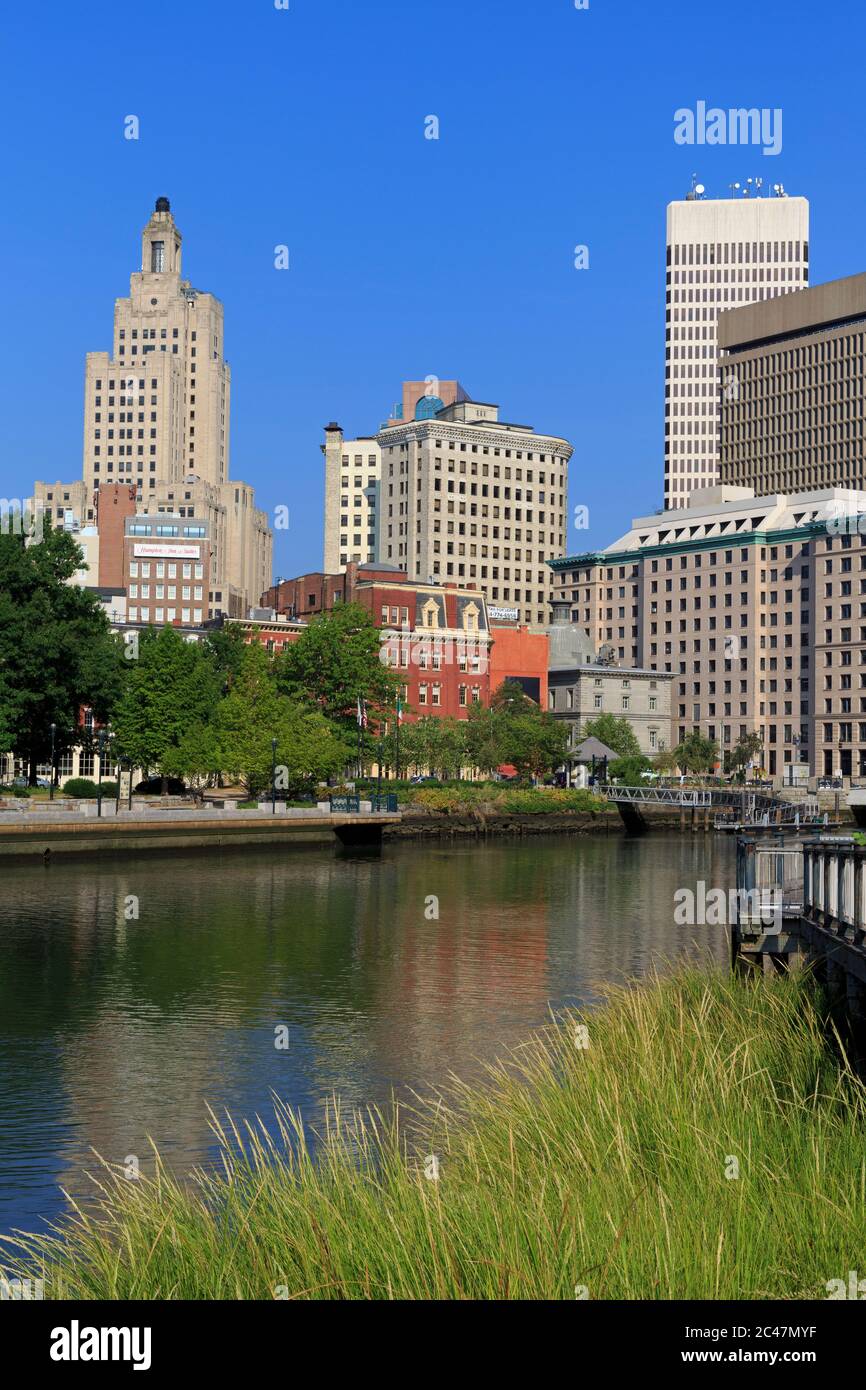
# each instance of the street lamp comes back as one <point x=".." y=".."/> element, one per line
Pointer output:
<point x="273" y="776"/>
<point x="379" y="776"/>
<point x="100" y="743"/>
<point x="51" y="781"/>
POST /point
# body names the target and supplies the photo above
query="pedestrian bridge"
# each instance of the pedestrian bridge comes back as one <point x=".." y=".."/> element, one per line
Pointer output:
<point x="731" y="807"/>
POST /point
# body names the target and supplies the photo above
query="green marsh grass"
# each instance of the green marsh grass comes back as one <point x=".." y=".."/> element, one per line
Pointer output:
<point x="569" y="1168"/>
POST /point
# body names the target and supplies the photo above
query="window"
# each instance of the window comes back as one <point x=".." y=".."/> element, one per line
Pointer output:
<point x="157" y="257"/>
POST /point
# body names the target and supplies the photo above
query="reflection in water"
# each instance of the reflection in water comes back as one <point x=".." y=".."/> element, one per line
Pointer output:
<point x="113" y="1030"/>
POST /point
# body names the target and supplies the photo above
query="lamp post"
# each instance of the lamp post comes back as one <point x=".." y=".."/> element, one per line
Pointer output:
<point x="51" y="781"/>
<point x="273" y="776"/>
<point x="379" y="775"/>
<point x="100" y="743"/>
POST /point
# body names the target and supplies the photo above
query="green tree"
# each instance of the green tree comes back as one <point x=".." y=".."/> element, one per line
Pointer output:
<point x="485" y="738"/>
<point x="530" y="739"/>
<point x="196" y="758"/>
<point x="57" y="651"/>
<point x="627" y="771"/>
<point x="172" y="687"/>
<point x="336" y="659"/>
<point x="615" y="732"/>
<point x="254" y="713"/>
<point x="227" y="646"/>
<point x="696" y="753"/>
<point x="748" y="749"/>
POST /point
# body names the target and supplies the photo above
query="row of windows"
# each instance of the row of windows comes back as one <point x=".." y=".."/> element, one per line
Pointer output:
<point x="736" y="252"/>
<point x="164" y="615"/>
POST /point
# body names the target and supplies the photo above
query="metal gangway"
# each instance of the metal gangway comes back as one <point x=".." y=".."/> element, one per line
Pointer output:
<point x="737" y="807"/>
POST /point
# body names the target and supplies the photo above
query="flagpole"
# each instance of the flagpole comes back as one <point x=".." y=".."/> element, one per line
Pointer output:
<point x="397" y="740"/>
<point x="360" y="736"/>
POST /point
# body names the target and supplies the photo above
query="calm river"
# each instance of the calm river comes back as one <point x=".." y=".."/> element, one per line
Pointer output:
<point x="114" y="1028"/>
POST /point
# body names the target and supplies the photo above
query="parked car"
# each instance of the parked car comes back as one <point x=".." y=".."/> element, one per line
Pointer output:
<point x="424" y="781"/>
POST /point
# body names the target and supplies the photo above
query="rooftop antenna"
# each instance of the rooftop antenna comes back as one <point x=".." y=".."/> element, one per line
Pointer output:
<point x="696" y="191"/>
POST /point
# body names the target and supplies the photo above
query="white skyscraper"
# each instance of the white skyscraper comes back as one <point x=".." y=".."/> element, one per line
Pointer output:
<point x="721" y="253"/>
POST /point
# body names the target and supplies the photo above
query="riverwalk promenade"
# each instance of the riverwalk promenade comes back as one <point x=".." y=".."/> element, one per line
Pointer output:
<point x="46" y="830"/>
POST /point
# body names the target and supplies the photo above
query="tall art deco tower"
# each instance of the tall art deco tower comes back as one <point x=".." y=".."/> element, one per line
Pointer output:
<point x="156" y="419"/>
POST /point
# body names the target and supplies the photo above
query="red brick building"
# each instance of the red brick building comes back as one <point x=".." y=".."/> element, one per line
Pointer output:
<point x="520" y="655"/>
<point x="438" y="638"/>
<point x="114" y="503"/>
<point x="274" y="632"/>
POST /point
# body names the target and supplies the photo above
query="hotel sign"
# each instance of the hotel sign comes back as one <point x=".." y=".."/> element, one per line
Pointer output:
<point x="160" y="550"/>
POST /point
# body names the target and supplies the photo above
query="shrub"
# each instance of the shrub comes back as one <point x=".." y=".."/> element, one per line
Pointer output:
<point x="84" y="788"/>
<point x="247" y="806"/>
<point x="498" y="798"/>
<point x="545" y="800"/>
<point x="79" y="786"/>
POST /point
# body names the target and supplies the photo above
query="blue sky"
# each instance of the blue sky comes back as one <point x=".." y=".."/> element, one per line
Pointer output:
<point x="409" y="257"/>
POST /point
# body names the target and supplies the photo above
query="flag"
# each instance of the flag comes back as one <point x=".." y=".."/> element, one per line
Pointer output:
<point x="399" y="710"/>
<point x="362" y="713"/>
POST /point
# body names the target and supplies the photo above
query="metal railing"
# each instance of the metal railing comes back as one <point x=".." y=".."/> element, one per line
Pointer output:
<point x="834" y="886"/>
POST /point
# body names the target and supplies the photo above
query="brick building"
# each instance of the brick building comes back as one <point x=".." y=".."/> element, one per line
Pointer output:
<point x="437" y="637"/>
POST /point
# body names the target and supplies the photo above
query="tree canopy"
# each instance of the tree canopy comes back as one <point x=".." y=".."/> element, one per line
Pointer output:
<point x="171" y="687"/>
<point x="615" y="732"/>
<point x="336" y="659"/>
<point x="57" y="651"/>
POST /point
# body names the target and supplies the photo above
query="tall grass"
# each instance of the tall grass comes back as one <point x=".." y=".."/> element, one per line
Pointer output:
<point x="606" y="1168"/>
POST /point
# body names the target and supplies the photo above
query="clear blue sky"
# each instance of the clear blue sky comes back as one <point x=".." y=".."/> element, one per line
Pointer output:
<point x="409" y="257"/>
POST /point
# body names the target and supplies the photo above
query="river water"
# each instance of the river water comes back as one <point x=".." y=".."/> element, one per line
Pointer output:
<point x="133" y="993"/>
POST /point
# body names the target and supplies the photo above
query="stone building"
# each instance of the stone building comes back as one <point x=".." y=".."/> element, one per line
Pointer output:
<point x="157" y="418"/>
<point x="756" y="606"/>
<point x="580" y="688"/>
<point x="352" y="476"/>
<point x="471" y="500"/>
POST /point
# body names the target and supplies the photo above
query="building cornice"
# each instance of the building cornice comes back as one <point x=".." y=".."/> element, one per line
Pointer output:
<point x="475" y="434"/>
<point x="732" y="542"/>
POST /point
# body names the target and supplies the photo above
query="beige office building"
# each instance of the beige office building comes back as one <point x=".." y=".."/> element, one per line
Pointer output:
<point x="471" y="500"/>
<point x="352" y="479"/>
<point x="795" y="420"/>
<point x="721" y="252"/>
<point x="756" y="606"/>
<point x="353" y="475"/>
<point x="156" y="416"/>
